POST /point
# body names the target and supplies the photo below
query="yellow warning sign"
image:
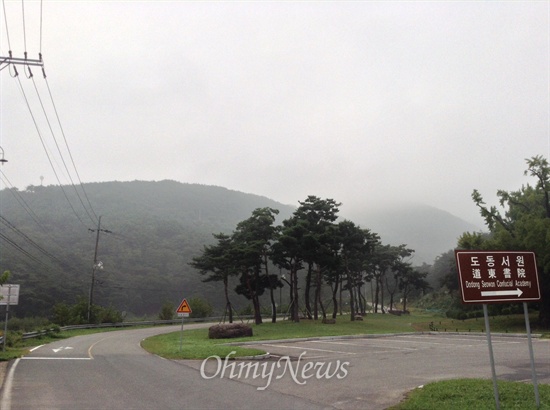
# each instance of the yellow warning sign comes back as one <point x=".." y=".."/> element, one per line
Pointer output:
<point x="184" y="307"/>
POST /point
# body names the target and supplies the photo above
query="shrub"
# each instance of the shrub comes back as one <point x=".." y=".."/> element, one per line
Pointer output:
<point x="167" y="312"/>
<point x="77" y="314"/>
<point x="200" y="307"/>
<point x="27" y="324"/>
<point x="14" y="338"/>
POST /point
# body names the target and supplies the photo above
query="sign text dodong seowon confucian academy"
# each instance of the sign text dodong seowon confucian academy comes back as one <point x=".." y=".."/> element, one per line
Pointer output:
<point x="497" y="276"/>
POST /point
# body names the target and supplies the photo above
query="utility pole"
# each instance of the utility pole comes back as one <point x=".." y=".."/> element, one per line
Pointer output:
<point x="97" y="265"/>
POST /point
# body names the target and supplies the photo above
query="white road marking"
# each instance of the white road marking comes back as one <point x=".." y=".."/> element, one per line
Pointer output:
<point x="364" y="345"/>
<point x="55" y="358"/>
<point x="5" y="404"/>
<point x="308" y="348"/>
<point x="62" y="348"/>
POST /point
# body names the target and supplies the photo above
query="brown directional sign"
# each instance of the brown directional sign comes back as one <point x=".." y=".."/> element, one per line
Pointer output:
<point x="497" y="276"/>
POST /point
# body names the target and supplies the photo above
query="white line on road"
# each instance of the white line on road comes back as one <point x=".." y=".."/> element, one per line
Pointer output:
<point x="478" y="339"/>
<point x="364" y="345"/>
<point x="5" y="404"/>
<point x="55" y="358"/>
<point x="307" y="348"/>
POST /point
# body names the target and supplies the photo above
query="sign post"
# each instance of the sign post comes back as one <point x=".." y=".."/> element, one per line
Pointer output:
<point x="9" y="295"/>
<point x="491" y="356"/>
<point x="183" y="311"/>
<point x="500" y="277"/>
<point x="531" y="354"/>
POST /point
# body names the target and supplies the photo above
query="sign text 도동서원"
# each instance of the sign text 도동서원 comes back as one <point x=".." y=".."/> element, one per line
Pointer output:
<point x="497" y="276"/>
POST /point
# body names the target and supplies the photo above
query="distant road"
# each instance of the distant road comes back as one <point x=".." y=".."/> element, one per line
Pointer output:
<point x="111" y="371"/>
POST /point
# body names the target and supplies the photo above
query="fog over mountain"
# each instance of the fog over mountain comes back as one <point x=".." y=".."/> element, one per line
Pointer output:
<point x="428" y="230"/>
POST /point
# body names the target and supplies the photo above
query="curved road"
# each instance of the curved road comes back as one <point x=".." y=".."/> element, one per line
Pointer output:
<point x="111" y="371"/>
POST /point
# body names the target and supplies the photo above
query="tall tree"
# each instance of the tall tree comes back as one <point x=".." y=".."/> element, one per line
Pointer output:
<point x="398" y="268"/>
<point x="524" y="225"/>
<point x="217" y="260"/>
<point x="411" y="279"/>
<point x="318" y="215"/>
<point x="287" y="254"/>
<point x="254" y="238"/>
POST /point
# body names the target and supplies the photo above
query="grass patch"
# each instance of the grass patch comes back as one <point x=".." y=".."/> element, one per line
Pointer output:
<point x="196" y="344"/>
<point x="474" y="394"/>
<point x="498" y="324"/>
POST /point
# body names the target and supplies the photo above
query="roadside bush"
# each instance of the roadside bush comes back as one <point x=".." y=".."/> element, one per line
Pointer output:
<point x="200" y="307"/>
<point x="14" y="338"/>
<point x="77" y="314"/>
<point x="168" y="311"/>
<point x="109" y="315"/>
<point x="27" y="324"/>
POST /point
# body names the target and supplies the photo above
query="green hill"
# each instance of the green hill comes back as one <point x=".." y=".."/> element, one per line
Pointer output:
<point x="155" y="228"/>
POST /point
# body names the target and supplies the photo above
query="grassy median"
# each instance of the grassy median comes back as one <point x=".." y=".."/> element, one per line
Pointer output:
<point x="195" y="344"/>
<point x="475" y="394"/>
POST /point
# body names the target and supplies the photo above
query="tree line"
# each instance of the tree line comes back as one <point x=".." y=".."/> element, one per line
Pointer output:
<point x="318" y="253"/>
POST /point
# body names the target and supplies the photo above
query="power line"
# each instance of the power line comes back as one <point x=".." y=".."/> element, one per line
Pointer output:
<point x="46" y="151"/>
<point x="59" y="151"/>
<point x="40" y="48"/>
<point x="23" y="251"/>
<point x="24" y="30"/>
<point x="21" y="201"/>
<point x="7" y="30"/>
<point x="68" y="149"/>
<point x="27" y="63"/>
<point x="29" y="240"/>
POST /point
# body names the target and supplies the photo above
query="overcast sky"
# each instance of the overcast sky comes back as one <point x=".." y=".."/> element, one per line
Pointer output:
<point x="365" y="102"/>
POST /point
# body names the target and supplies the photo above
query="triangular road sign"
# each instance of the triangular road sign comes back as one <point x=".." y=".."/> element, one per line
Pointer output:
<point x="184" y="307"/>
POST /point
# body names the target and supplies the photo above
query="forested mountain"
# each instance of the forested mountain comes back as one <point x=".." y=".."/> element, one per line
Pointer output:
<point x="149" y="233"/>
<point x="154" y="229"/>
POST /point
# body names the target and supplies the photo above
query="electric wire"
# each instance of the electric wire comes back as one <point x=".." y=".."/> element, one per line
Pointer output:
<point x="69" y="150"/>
<point x="29" y="240"/>
<point x="29" y="211"/>
<point x="60" y="153"/>
<point x="14" y="192"/>
<point x="22" y="201"/>
<point x="24" y="30"/>
<point x="46" y="151"/>
<point x="40" y="46"/>
<point x="7" y="30"/>
<point x="30" y="76"/>
<point x="23" y="251"/>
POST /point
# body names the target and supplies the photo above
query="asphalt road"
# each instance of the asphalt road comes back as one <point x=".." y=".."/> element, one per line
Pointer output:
<point x="111" y="371"/>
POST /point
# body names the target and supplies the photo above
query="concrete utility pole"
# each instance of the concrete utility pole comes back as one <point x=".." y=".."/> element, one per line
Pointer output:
<point x="94" y="267"/>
